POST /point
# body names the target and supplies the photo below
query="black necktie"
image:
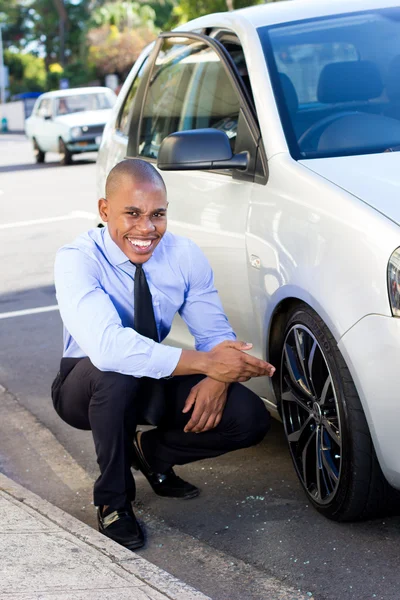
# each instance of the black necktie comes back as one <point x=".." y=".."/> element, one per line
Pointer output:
<point x="144" y="320"/>
<point x="152" y="391"/>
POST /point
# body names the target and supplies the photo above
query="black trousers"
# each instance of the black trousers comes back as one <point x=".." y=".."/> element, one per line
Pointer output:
<point x="108" y="403"/>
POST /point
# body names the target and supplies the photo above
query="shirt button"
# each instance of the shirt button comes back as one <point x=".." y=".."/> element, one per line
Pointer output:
<point x="159" y="374"/>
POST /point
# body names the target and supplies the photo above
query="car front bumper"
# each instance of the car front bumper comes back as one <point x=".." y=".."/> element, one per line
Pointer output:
<point x="91" y="144"/>
<point x="371" y="349"/>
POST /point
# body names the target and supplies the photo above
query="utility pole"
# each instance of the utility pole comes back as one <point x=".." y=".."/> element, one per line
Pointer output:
<point x="2" y="72"/>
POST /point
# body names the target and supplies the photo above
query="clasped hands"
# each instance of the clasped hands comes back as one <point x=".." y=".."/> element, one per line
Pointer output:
<point x="228" y="363"/>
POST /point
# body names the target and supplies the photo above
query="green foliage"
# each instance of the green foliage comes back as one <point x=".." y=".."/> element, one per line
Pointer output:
<point x="27" y="72"/>
<point x="124" y="14"/>
<point x="13" y="20"/>
<point x="163" y="11"/>
<point x="79" y="73"/>
<point x="119" y="32"/>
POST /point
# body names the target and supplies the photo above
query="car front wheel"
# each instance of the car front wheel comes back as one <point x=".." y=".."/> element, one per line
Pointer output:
<point x="66" y="155"/>
<point x="325" y="425"/>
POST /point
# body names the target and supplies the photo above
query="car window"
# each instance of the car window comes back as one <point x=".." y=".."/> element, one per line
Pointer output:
<point x="303" y="64"/>
<point x="337" y="82"/>
<point x="80" y="102"/>
<point x="44" y="109"/>
<point x="123" y="119"/>
<point x="189" y="89"/>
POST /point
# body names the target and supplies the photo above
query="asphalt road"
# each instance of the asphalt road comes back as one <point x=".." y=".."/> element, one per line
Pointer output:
<point x="250" y="534"/>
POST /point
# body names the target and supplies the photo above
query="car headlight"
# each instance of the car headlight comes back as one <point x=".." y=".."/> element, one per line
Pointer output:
<point x="76" y="132"/>
<point x="394" y="282"/>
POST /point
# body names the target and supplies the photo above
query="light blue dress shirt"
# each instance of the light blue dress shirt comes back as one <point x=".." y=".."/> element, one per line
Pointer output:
<point x="94" y="286"/>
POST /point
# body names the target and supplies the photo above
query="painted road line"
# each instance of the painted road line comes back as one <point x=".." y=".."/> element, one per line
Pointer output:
<point x="28" y="311"/>
<point x="75" y="214"/>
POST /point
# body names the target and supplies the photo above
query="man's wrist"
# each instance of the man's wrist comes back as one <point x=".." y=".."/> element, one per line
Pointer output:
<point x="193" y="362"/>
<point x="220" y="384"/>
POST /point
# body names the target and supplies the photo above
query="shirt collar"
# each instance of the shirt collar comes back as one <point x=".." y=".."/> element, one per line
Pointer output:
<point x="114" y="252"/>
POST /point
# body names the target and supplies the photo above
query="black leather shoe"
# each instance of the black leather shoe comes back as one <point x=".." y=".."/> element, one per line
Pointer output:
<point x="122" y="527"/>
<point x="166" y="484"/>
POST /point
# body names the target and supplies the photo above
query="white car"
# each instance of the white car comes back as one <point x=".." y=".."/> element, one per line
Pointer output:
<point x="69" y="121"/>
<point x="277" y="128"/>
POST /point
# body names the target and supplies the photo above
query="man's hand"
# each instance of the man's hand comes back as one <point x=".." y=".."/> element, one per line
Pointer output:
<point x="209" y="398"/>
<point x="229" y="362"/>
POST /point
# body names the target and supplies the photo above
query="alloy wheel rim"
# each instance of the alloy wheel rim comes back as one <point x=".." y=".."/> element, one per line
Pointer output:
<point x="310" y="414"/>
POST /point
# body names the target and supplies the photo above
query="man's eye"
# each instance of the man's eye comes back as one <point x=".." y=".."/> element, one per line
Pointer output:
<point x="133" y="214"/>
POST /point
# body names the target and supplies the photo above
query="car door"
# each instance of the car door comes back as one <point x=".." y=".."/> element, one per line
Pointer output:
<point x="193" y="85"/>
<point x="54" y="128"/>
<point x="40" y="127"/>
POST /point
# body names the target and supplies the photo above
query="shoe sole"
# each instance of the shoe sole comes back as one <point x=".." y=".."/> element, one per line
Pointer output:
<point x="132" y="546"/>
<point x="189" y="496"/>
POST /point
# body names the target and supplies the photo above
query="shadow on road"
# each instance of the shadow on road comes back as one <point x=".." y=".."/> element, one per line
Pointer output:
<point x="28" y="298"/>
<point x="37" y="167"/>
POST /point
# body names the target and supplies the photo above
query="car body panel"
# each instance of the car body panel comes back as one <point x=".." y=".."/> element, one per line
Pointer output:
<point x="87" y="117"/>
<point x="373" y="178"/>
<point x="371" y="351"/>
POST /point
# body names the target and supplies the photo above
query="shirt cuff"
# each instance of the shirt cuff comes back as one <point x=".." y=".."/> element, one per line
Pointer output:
<point x="210" y="344"/>
<point x="163" y="361"/>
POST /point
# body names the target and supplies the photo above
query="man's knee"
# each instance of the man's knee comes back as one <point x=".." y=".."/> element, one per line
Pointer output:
<point x="251" y="419"/>
<point x="117" y="387"/>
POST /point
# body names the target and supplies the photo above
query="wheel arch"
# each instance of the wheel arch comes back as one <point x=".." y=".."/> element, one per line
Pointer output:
<point x="276" y="323"/>
<point x="276" y="330"/>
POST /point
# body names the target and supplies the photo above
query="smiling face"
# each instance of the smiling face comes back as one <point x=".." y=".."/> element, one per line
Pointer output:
<point x="136" y="215"/>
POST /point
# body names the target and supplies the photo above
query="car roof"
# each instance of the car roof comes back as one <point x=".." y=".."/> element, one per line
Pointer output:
<point x="274" y="13"/>
<point x="75" y="91"/>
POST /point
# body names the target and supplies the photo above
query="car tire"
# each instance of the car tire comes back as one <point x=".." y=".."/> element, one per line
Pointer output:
<point x="66" y="155"/>
<point x="325" y="426"/>
<point x="39" y="154"/>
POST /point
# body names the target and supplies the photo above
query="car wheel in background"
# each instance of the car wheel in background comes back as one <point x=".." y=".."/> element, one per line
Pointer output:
<point x="66" y="155"/>
<point x="39" y="154"/>
<point x="325" y="425"/>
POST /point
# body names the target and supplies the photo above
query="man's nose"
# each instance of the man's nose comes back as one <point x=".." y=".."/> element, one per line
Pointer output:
<point x="145" y="224"/>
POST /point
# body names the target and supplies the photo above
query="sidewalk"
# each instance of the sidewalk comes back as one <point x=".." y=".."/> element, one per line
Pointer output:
<point x="46" y="554"/>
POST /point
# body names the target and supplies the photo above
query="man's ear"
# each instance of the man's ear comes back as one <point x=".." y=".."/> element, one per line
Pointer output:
<point x="103" y="209"/>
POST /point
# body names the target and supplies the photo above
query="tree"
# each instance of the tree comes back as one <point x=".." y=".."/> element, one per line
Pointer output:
<point x="124" y="14"/>
<point x="27" y="72"/>
<point x="13" y="21"/>
<point x="112" y="51"/>
<point x="44" y="21"/>
<point x="121" y="30"/>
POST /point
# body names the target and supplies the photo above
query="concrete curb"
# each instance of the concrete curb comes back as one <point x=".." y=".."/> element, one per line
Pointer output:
<point x="131" y="563"/>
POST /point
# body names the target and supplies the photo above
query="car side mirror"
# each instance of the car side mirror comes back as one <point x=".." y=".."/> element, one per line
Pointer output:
<point x="198" y="149"/>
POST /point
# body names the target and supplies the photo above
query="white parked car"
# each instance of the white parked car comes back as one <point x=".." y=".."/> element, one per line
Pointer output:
<point x="277" y="128"/>
<point x="69" y="121"/>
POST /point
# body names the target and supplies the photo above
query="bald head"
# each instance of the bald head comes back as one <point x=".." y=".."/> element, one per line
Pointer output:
<point x="132" y="171"/>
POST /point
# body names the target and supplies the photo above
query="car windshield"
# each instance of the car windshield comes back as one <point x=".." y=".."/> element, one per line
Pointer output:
<point x="68" y="104"/>
<point x="337" y="82"/>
